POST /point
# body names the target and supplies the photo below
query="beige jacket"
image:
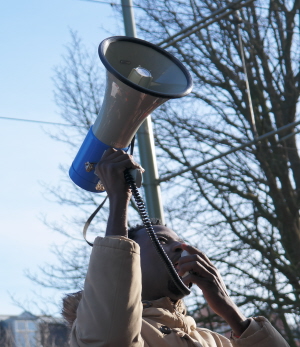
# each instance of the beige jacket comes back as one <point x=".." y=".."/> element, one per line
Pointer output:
<point x="111" y="313"/>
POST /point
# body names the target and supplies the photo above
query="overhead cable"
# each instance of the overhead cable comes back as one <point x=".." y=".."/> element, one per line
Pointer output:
<point x="233" y="150"/>
<point x="42" y="122"/>
<point x="203" y="23"/>
<point x="161" y="10"/>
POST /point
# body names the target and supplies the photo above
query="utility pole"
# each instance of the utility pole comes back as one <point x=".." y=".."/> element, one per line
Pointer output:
<point x="145" y="139"/>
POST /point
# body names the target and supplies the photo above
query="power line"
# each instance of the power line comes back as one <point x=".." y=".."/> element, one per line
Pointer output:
<point x="42" y="122"/>
<point x="203" y="23"/>
<point x="113" y="4"/>
<point x="233" y="150"/>
<point x="162" y="10"/>
<point x="105" y="2"/>
<point x="121" y="5"/>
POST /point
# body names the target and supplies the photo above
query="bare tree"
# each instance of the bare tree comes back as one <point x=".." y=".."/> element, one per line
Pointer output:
<point x="78" y="94"/>
<point x="243" y="208"/>
<point x="79" y="87"/>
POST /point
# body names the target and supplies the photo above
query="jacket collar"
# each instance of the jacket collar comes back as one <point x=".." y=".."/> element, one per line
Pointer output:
<point x="167" y="304"/>
<point x="165" y="312"/>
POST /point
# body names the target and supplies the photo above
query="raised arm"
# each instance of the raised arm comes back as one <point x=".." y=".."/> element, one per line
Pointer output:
<point x="110" y="311"/>
<point x="256" y="332"/>
<point x="110" y="170"/>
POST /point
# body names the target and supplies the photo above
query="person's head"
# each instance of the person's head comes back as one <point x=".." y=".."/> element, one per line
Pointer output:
<point x="156" y="282"/>
<point x="155" y="278"/>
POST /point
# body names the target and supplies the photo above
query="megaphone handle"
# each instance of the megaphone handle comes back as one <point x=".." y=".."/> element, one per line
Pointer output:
<point x="155" y="242"/>
<point x="137" y="176"/>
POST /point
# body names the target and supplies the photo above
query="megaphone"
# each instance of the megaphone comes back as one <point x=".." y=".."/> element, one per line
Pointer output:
<point x="140" y="77"/>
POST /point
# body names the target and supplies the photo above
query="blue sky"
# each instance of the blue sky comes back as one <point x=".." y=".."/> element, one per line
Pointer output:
<point x="33" y="35"/>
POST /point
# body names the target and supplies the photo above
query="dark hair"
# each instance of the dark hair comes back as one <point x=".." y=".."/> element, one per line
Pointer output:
<point x="133" y="230"/>
<point x="70" y="304"/>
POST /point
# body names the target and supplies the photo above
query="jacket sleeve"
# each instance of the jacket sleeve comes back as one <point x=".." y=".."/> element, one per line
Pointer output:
<point x="110" y="311"/>
<point x="260" y="333"/>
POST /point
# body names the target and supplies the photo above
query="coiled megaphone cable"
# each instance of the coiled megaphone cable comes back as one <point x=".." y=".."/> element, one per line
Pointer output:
<point x="155" y="242"/>
<point x="149" y="228"/>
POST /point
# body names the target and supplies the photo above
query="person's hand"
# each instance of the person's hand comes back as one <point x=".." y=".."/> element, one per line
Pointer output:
<point x="110" y="170"/>
<point x="206" y="276"/>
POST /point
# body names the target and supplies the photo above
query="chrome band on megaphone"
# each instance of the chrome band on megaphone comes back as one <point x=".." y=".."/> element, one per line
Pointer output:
<point x="140" y="77"/>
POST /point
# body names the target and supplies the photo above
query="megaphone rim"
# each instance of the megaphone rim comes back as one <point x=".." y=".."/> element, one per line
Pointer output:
<point x="123" y="79"/>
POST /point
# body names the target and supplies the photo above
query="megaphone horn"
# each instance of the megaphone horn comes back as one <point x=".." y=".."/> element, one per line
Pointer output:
<point x="140" y="77"/>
